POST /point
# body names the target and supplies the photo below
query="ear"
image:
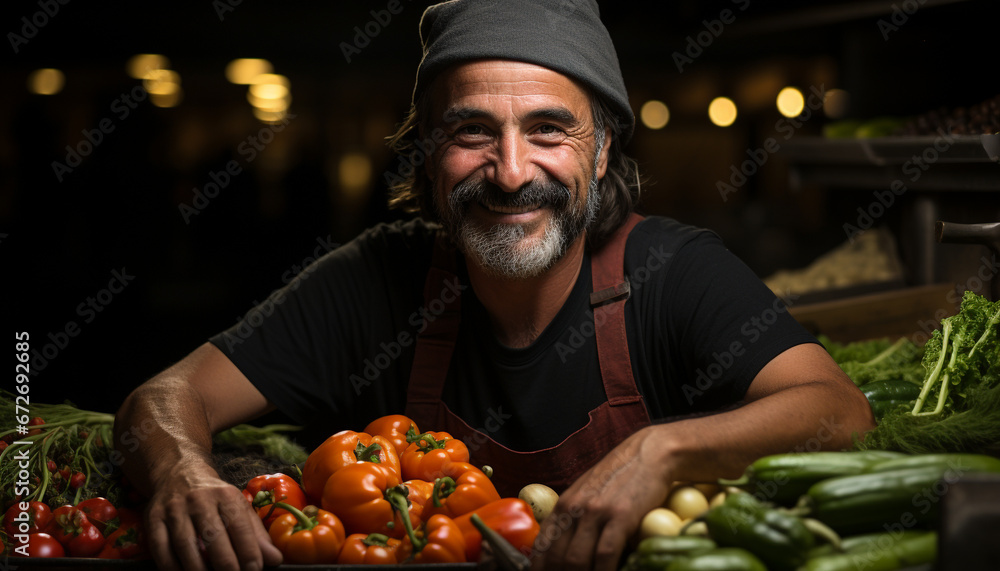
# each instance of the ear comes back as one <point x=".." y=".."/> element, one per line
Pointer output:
<point x="602" y="161"/>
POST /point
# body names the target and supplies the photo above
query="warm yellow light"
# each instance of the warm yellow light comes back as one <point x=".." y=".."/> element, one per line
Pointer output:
<point x="243" y="71"/>
<point x="269" y="86"/>
<point x="722" y="111"/>
<point x="269" y="116"/>
<point x="141" y="64"/>
<point x="836" y="103"/>
<point x="167" y="100"/>
<point x="46" y="81"/>
<point x="790" y="102"/>
<point x="161" y="82"/>
<point x="654" y="114"/>
<point x="270" y="79"/>
<point x="354" y="172"/>
<point x="280" y="104"/>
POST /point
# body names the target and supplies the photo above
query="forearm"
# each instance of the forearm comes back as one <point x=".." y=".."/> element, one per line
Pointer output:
<point x="806" y="417"/>
<point x="162" y="424"/>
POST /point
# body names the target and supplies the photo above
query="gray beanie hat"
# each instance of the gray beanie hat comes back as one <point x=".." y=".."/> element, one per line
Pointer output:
<point x="563" y="35"/>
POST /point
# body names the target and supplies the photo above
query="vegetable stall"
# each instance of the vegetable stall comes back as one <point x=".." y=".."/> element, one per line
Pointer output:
<point x="393" y="493"/>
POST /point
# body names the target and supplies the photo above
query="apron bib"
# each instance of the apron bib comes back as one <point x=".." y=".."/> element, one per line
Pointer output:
<point x="613" y="421"/>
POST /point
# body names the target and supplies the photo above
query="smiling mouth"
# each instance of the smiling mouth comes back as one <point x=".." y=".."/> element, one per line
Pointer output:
<point x="511" y="209"/>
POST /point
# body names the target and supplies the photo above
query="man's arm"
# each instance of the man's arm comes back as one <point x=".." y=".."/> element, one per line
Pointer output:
<point x="164" y="430"/>
<point x="801" y="400"/>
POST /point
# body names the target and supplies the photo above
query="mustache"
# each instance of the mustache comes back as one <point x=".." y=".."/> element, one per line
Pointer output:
<point x="540" y="192"/>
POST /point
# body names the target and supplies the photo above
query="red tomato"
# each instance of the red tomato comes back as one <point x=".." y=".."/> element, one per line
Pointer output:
<point x="71" y="528"/>
<point x="77" y="479"/>
<point x="38" y="518"/>
<point x="127" y="542"/>
<point x="35" y="422"/>
<point x="99" y="511"/>
<point x="39" y="545"/>
<point x="267" y="489"/>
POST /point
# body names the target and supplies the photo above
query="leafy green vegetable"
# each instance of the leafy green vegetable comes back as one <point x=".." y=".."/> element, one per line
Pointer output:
<point x="971" y="338"/>
<point x="878" y="360"/>
<point x="958" y="409"/>
<point x="71" y="440"/>
<point x="265" y="440"/>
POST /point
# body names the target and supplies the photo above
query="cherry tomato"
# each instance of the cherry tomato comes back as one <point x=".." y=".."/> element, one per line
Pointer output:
<point x="99" y="511"/>
<point x="39" y="516"/>
<point x="40" y="545"/>
<point x="77" y="479"/>
<point x="71" y="528"/>
<point x="36" y="421"/>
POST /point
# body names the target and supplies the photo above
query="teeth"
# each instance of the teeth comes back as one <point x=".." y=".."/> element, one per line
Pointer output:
<point x="512" y="209"/>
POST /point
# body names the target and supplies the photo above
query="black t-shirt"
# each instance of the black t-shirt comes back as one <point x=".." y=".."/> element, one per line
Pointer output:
<point x="334" y="348"/>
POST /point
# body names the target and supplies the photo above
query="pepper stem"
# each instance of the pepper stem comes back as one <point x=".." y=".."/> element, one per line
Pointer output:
<point x="379" y="539"/>
<point x="305" y="522"/>
<point x="427" y="441"/>
<point x="412" y="435"/>
<point x="397" y="498"/>
<point x="368" y="453"/>
<point x="443" y="487"/>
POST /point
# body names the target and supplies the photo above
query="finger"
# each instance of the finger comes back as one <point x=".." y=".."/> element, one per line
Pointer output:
<point x="246" y="532"/>
<point x="609" y="549"/>
<point x="554" y="538"/>
<point x="159" y="544"/>
<point x="183" y="536"/>
<point x="215" y="536"/>
<point x="272" y="555"/>
<point x="580" y="546"/>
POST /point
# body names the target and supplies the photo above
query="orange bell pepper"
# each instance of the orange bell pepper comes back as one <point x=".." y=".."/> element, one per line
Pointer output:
<point x="366" y="497"/>
<point x="395" y="428"/>
<point x="370" y="549"/>
<point x="425" y="458"/>
<point x="462" y="489"/>
<point x="441" y="542"/>
<point x="419" y="495"/>
<point x="264" y="491"/>
<point x="307" y="536"/>
<point x="512" y="518"/>
<point x="342" y="449"/>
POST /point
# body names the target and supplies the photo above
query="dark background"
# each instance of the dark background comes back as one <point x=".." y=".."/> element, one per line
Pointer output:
<point x="61" y="241"/>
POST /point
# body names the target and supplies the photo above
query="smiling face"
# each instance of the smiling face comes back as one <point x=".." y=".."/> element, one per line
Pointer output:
<point x="515" y="182"/>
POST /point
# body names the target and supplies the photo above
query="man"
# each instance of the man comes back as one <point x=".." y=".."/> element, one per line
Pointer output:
<point x="541" y="311"/>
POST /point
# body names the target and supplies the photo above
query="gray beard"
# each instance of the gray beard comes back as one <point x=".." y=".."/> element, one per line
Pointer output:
<point x="503" y="251"/>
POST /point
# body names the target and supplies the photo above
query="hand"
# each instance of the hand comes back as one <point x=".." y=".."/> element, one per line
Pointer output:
<point x="595" y="517"/>
<point x="196" y="520"/>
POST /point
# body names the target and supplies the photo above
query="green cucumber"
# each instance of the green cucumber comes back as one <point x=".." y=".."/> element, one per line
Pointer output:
<point x="784" y="478"/>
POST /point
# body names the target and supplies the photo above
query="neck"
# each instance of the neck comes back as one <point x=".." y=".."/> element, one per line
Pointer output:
<point x="521" y="309"/>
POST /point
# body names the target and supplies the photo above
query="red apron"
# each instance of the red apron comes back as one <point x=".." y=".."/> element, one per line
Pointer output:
<point x="610" y="423"/>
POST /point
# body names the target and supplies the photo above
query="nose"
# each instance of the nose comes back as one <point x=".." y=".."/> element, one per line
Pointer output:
<point x="512" y="167"/>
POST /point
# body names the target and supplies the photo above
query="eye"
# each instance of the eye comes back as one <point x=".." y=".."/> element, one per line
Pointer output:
<point x="472" y="130"/>
<point x="549" y="129"/>
<point x="471" y="134"/>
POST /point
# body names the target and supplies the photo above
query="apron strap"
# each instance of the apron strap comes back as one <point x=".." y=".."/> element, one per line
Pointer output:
<point x="611" y="290"/>
<point x="442" y="313"/>
<point x="436" y="343"/>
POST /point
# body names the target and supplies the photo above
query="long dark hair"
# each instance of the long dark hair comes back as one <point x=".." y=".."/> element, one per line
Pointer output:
<point x="409" y="189"/>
